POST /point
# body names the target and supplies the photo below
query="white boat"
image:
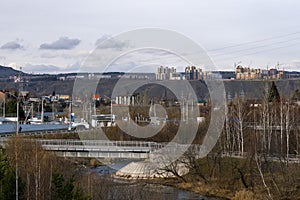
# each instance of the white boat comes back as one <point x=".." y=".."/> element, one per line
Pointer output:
<point x="79" y="125"/>
<point x="35" y="120"/>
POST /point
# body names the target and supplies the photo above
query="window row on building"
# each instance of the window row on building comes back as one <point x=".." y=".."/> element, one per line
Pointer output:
<point x="169" y="73"/>
<point x="246" y="73"/>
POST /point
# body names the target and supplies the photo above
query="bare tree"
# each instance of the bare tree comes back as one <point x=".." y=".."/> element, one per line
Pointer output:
<point x="258" y="163"/>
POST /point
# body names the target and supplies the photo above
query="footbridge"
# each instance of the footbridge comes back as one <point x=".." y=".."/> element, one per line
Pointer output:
<point x="98" y="148"/>
<point x="101" y="148"/>
<point x="107" y="148"/>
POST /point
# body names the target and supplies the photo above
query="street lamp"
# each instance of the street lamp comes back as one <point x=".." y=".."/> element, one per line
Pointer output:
<point x="17" y="133"/>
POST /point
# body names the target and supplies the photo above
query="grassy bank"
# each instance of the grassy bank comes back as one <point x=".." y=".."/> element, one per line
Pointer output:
<point x="232" y="178"/>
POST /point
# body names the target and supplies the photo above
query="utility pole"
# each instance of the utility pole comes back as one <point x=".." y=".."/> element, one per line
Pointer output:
<point x="42" y="112"/>
<point x="4" y="107"/>
<point x="16" y="152"/>
<point x="94" y="107"/>
<point x="17" y="133"/>
<point x="53" y="117"/>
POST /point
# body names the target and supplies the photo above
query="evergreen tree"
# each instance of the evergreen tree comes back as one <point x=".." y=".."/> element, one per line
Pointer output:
<point x="8" y="184"/>
<point x="62" y="189"/>
<point x="273" y="94"/>
<point x="11" y="108"/>
<point x="8" y="179"/>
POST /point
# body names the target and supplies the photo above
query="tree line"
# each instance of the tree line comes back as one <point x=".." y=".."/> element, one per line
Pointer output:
<point x="257" y="154"/>
<point x="41" y="174"/>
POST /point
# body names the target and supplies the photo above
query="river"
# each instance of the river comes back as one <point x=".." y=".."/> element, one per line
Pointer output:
<point x="146" y="190"/>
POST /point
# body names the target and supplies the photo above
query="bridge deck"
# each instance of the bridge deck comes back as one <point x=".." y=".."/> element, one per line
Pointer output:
<point x="100" y="148"/>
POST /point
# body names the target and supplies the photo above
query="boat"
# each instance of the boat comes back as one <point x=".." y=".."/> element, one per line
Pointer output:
<point x="35" y="120"/>
<point x="82" y="125"/>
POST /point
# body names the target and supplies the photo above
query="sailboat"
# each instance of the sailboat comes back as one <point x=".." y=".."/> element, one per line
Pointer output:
<point x="35" y="120"/>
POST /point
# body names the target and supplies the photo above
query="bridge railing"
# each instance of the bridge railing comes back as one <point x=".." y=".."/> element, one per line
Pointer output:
<point x="95" y="143"/>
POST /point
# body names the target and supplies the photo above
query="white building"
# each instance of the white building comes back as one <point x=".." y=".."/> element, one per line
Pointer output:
<point x="165" y="73"/>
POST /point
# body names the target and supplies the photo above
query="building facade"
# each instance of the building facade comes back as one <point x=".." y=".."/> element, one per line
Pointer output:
<point x="165" y="73"/>
<point x="193" y="73"/>
<point x="247" y="73"/>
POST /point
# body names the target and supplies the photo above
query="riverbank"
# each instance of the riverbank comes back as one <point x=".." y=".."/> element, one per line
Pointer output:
<point x="222" y="183"/>
<point x="198" y="188"/>
<point x="104" y="176"/>
<point x="208" y="190"/>
<point x="205" y="190"/>
<point x="229" y="178"/>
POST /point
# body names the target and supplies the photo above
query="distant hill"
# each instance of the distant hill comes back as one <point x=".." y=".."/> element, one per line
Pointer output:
<point x="248" y="89"/>
<point x="45" y="84"/>
<point x="5" y="72"/>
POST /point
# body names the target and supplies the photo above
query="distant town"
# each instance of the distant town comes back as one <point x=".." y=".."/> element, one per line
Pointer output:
<point x="162" y="73"/>
<point x="56" y="102"/>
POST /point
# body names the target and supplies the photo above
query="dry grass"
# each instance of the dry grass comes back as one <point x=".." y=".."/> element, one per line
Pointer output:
<point x="206" y="189"/>
<point x="244" y="195"/>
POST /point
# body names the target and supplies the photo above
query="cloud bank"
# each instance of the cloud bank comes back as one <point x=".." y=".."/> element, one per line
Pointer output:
<point x="41" y="68"/>
<point x="60" y="44"/>
<point x="107" y="42"/>
<point x="12" y="45"/>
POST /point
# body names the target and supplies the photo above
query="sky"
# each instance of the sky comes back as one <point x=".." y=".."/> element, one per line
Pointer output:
<point x="53" y="36"/>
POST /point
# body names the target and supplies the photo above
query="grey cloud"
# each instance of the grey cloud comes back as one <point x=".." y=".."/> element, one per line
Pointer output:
<point x="107" y="42"/>
<point x="41" y="68"/>
<point x="61" y="43"/>
<point x="12" y="45"/>
<point x="102" y="39"/>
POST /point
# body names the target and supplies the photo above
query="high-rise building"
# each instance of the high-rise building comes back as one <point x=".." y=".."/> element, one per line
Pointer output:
<point x="193" y="73"/>
<point x="165" y="73"/>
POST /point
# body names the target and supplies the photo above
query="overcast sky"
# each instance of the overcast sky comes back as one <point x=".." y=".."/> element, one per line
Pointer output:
<point x="57" y="36"/>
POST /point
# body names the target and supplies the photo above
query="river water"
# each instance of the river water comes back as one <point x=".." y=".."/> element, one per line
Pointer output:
<point x="157" y="191"/>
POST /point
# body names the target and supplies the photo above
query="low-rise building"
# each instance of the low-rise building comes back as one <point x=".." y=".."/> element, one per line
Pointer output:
<point x="247" y="73"/>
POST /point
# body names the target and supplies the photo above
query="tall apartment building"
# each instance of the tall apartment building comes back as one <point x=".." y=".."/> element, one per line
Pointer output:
<point x="165" y="73"/>
<point x="193" y="73"/>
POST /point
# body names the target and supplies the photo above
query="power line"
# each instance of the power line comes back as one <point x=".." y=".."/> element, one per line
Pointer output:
<point x="255" y="41"/>
<point x="172" y="55"/>
<point x="257" y="47"/>
<point x="249" y="48"/>
<point x="257" y="52"/>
